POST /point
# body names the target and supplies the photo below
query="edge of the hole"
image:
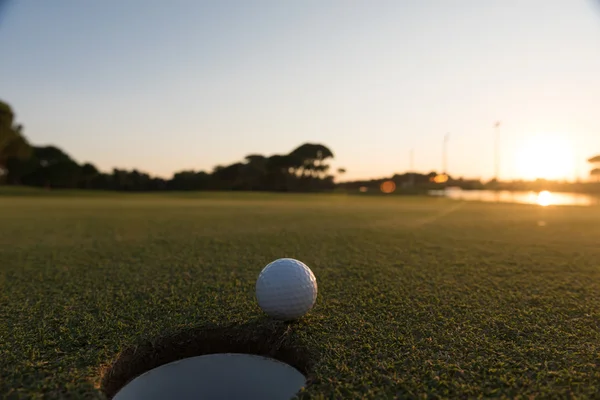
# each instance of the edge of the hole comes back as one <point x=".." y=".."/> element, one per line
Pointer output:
<point x="273" y="340"/>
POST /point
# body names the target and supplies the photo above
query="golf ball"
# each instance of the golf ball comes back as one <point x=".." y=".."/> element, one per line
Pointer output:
<point x="286" y="289"/>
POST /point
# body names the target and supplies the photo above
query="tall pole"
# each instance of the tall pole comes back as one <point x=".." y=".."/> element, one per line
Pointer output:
<point x="577" y="165"/>
<point x="411" y="171"/>
<point x="445" y="154"/>
<point x="497" y="151"/>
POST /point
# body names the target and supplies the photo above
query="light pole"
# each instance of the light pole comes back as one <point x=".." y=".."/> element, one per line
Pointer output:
<point x="411" y="172"/>
<point x="497" y="151"/>
<point x="577" y="165"/>
<point x="445" y="154"/>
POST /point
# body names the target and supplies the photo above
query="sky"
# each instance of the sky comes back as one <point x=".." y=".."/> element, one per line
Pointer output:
<point x="169" y="86"/>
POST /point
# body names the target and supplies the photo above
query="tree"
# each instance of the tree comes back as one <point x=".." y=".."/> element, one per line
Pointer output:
<point x="341" y="171"/>
<point x="64" y="174"/>
<point x="280" y="173"/>
<point x="254" y="172"/>
<point x="257" y="159"/>
<point x="309" y="159"/>
<point x="190" y="180"/>
<point x="47" y="166"/>
<point x="120" y="179"/>
<point x="88" y="173"/>
<point x="228" y="177"/>
<point x="50" y="155"/>
<point x="595" y="172"/>
<point x="595" y="159"/>
<point x="320" y="171"/>
<point x="18" y="170"/>
<point x="303" y="169"/>
<point x="13" y="144"/>
<point x="54" y="168"/>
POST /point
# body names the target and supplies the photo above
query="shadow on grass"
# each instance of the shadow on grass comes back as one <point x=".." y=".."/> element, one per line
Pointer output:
<point x="260" y="337"/>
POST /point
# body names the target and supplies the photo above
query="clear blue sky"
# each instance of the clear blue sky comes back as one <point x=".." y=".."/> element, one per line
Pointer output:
<point x="165" y="86"/>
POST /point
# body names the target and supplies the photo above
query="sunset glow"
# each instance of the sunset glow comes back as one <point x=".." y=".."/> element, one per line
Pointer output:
<point x="544" y="198"/>
<point x="546" y="156"/>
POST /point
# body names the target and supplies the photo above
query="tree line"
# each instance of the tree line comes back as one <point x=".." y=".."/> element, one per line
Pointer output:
<point x="303" y="169"/>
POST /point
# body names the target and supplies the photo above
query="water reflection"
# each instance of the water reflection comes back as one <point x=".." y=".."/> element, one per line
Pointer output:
<point x="543" y="198"/>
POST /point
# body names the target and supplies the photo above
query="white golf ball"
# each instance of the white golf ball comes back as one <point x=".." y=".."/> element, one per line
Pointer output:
<point x="286" y="289"/>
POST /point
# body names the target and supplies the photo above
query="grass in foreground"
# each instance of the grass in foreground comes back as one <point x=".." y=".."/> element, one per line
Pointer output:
<point x="417" y="297"/>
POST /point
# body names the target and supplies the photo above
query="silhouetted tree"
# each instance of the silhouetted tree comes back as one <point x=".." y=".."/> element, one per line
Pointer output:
<point x="309" y="159"/>
<point x="303" y="169"/>
<point x="279" y="172"/>
<point x="595" y="172"/>
<point x="47" y="166"/>
<point x="227" y="177"/>
<point x="13" y="144"/>
<point x="254" y="172"/>
<point x="190" y="180"/>
<point x="87" y="175"/>
<point x="595" y="159"/>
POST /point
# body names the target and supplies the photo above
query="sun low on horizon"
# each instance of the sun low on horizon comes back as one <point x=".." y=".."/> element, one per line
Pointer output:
<point x="545" y="156"/>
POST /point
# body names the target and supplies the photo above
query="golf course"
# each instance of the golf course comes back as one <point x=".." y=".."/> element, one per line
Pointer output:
<point x="418" y="297"/>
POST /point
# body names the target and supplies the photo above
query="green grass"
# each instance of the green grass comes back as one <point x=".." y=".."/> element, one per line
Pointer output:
<point x="419" y="298"/>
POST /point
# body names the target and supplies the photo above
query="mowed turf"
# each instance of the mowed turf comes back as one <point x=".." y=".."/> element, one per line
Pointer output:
<point x="418" y="297"/>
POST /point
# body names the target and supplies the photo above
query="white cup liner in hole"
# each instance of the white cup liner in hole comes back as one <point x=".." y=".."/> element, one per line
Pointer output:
<point x="215" y="377"/>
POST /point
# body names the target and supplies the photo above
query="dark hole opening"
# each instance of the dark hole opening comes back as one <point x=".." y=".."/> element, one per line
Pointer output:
<point x="266" y="338"/>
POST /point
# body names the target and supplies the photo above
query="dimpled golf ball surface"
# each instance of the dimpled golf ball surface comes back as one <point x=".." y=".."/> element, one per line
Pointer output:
<point x="286" y="289"/>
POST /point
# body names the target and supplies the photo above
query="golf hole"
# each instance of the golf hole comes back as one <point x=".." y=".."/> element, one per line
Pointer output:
<point x="249" y="361"/>
<point x="217" y="376"/>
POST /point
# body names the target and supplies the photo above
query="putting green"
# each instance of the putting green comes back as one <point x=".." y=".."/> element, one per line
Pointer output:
<point x="417" y="297"/>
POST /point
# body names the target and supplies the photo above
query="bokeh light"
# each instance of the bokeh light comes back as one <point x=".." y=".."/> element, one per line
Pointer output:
<point x="441" y="178"/>
<point x="388" y="187"/>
